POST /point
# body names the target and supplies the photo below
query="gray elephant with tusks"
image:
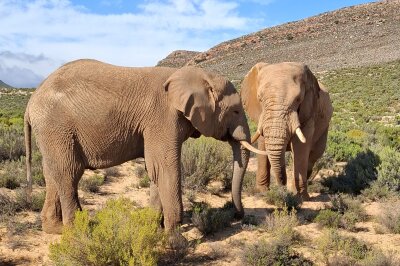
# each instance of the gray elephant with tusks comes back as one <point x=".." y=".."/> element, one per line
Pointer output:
<point x="293" y="111"/>
<point x="89" y="114"/>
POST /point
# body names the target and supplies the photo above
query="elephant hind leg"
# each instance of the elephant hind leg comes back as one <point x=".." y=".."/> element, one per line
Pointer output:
<point x="51" y="214"/>
<point x="62" y="170"/>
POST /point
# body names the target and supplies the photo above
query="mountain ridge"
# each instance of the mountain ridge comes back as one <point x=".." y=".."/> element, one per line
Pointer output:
<point x="5" y="85"/>
<point x="348" y="37"/>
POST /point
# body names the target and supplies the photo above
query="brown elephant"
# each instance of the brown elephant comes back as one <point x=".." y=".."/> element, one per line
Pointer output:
<point x="293" y="112"/>
<point x="89" y="114"/>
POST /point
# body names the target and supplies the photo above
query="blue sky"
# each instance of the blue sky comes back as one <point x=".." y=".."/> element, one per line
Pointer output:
<point x="37" y="36"/>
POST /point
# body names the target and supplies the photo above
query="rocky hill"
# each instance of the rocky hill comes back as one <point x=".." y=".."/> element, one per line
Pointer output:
<point x="353" y="36"/>
<point x="5" y="85"/>
<point x="178" y="58"/>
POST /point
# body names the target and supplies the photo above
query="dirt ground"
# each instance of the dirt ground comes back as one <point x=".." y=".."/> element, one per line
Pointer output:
<point x="30" y="246"/>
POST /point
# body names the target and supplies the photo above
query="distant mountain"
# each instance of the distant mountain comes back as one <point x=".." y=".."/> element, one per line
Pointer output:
<point x="177" y="58"/>
<point x="349" y="37"/>
<point x="5" y="85"/>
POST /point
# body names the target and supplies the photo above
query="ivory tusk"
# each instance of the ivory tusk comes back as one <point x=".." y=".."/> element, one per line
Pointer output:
<point x="300" y="135"/>
<point x="255" y="137"/>
<point x="251" y="148"/>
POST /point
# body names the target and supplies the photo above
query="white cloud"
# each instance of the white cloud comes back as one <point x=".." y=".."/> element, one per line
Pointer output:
<point x="58" y="31"/>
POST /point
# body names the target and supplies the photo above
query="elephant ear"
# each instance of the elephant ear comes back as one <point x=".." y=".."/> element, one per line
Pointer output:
<point x="248" y="92"/>
<point x="309" y="106"/>
<point x="190" y="92"/>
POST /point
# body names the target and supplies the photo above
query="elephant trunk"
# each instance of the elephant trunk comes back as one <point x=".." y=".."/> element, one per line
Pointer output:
<point x="277" y="134"/>
<point x="240" y="132"/>
<point x="240" y="160"/>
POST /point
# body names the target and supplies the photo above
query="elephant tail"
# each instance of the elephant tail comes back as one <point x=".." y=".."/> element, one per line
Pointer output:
<point x="28" y="153"/>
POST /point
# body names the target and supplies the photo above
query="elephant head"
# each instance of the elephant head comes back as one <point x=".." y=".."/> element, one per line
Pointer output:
<point x="282" y="98"/>
<point x="213" y="107"/>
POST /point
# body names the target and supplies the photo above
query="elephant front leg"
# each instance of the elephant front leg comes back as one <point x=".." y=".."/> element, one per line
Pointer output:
<point x="166" y="193"/>
<point x="300" y="154"/>
<point x="263" y="176"/>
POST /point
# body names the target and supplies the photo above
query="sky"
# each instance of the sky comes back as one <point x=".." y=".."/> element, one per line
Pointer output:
<point x="38" y="36"/>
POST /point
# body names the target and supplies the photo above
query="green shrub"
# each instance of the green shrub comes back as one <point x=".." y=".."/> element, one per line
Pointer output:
<point x="36" y="204"/>
<point x="209" y="220"/>
<point x="342" y="250"/>
<point x="273" y="252"/>
<point x="345" y="212"/>
<point x="328" y="218"/>
<point x="91" y="183"/>
<point x="144" y="181"/>
<point x="12" y="174"/>
<point x="390" y="216"/>
<point x="358" y="174"/>
<point x="281" y="223"/>
<point x="342" y="146"/>
<point x="112" y="171"/>
<point x="389" y="168"/>
<point x="12" y="144"/>
<point x="8" y="206"/>
<point x="281" y="197"/>
<point x="377" y="191"/>
<point x="119" y="234"/>
<point x="203" y="160"/>
<point x="249" y="182"/>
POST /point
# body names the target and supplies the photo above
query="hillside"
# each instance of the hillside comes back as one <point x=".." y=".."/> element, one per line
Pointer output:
<point x="349" y="37"/>
<point x="5" y="85"/>
<point x="178" y="58"/>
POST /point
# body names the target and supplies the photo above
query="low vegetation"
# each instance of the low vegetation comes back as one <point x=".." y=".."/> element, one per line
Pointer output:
<point x="277" y="249"/>
<point x="209" y="220"/>
<point x="203" y="160"/>
<point x="343" y="211"/>
<point x="337" y="249"/>
<point x="281" y="197"/>
<point x="119" y="234"/>
<point x="91" y="183"/>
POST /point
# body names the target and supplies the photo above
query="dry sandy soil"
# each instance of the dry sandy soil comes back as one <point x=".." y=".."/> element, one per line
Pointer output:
<point x="30" y="247"/>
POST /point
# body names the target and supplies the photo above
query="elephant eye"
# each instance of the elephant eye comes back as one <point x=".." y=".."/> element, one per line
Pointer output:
<point x="236" y="112"/>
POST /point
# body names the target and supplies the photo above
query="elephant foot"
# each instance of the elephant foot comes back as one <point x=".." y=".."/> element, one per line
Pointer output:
<point x="261" y="188"/>
<point x="52" y="226"/>
<point x="305" y="196"/>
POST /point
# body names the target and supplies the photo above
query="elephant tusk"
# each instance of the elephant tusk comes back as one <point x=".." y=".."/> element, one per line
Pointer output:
<point x="251" y="148"/>
<point x="300" y="135"/>
<point x="255" y="137"/>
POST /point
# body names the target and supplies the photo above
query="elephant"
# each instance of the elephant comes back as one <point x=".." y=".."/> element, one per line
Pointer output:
<point x="293" y="111"/>
<point x="90" y="115"/>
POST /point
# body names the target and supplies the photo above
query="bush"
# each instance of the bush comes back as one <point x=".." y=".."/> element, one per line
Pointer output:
<point x="203" y="160"/>
<point x="91" y="183"/>
<point x="341" y="250"/>
<point x="281" y="197"/>
<point x="8" y="206"/>
<point x="119" y="234"/>
<point x="345" y="212"/>
<point x="144" y="181"/>
<point x="12" y="143"/>
<point x="390" y="216"/>
<point x="328" y="218"/>
<point x="274" y="252"/>
<point x="389" y="169"/>
<point x="36" y="204"/>
<point x="13" y="174"/>
<point x="358" y="174"/>
<point x="249" y="182"/>
<point x="209" y="220"/>
<point x="281" y="223"/>
<point x="343" y="147"/>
